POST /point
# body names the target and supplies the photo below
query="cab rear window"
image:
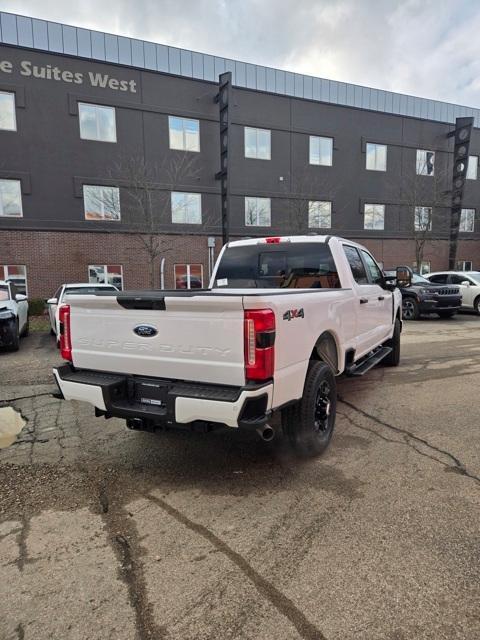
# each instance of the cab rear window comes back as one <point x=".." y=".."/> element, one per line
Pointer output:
<point x="287" y="265"/>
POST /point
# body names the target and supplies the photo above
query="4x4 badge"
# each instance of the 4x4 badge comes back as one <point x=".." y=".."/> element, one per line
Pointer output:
<point x="293" y="313"/>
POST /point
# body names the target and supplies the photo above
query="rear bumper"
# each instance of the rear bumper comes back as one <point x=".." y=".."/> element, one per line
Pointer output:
<point x="161" y="402"/>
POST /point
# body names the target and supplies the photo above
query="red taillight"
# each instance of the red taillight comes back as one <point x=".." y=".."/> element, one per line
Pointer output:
<point x="259" y="344"/>
<point x="275" y="240"/>
<point x="65" y="336"/>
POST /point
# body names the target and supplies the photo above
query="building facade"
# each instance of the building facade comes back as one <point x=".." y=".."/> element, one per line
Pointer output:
<point x="109" y="150"/>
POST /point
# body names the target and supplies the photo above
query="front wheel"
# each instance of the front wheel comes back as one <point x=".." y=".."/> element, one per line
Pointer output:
<point x="15" y="338"/>
<point x="393" y="358"/>
<point x="410" y="309"/>
<point x="309" y="424"/>
<point x="476" y="305"/>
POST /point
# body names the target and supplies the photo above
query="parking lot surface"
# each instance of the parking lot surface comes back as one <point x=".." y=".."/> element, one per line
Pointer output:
<point x="107" y="533"/>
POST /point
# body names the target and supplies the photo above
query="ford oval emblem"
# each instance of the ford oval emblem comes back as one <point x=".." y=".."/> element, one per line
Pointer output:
<point x="145" y="330"/>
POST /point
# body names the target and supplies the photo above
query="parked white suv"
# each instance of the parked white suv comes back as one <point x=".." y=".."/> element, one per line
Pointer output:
<point x="13" y="315"/>
<point x="59" y="298"/>
<point x="282" y="317"/>
<point x="467" y="281"/>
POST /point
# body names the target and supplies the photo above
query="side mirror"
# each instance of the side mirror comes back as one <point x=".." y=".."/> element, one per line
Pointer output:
<point x="51" y="301"/>
<point x="404" y="276"/>
<point x="465" y="283"/>
<point x="20" y="297"/>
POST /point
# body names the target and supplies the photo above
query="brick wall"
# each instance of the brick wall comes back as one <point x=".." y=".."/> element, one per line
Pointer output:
<point x="52" y="258"/>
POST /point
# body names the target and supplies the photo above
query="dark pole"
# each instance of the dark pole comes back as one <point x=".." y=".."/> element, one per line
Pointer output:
<point x="223" y="98"/>
<point x="462" y="133"/>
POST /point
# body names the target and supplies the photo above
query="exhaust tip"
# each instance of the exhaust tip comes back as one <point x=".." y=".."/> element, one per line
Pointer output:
<point x="266" y="433"/>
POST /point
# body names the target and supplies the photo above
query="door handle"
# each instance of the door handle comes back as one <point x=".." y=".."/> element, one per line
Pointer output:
<point x="363" y="300"/>
<point x="381" y="297"/>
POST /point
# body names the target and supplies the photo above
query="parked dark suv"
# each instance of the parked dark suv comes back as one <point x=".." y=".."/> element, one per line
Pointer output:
<point x="423" y="297"/>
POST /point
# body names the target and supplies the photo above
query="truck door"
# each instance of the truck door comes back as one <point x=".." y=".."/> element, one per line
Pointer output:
<point x="369" y="314"/>
<point x="384" y="299"/>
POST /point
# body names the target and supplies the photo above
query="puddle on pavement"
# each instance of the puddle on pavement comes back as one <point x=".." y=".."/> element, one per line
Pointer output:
<point x="11" y="423"/>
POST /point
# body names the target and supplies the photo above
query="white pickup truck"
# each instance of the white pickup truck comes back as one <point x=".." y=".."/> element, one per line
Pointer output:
<point x="282" y="317"/>
<point x="13" y="315"/>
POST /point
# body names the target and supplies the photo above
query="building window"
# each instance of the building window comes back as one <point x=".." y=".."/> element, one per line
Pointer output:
<point x="320" y="214"/>
<point x="8" y="120"/>
<point x="257" y="212"/>
<point x="16" y="274"/>
<point x="188" y="276"/>
<point x="424" y="267"/>
<point x="11" y="198"/>
<point x="425" y="162"/>
<point x="321" y="151"/>
<point x="101" y="203"/>
<point x="374" y="216"/>
<point x="106" y="274"/>
<point x="184" y="134"/>
<point x="97" y="122"/>
<point x="257" y="143"/>
<point x="423" y="218"/>
<point x="376" y="157"/>
<point x="186" y="208"/>
<point x="467" y="220"/>
<point x="472" y="168"/>
<point x="465" y="265"/>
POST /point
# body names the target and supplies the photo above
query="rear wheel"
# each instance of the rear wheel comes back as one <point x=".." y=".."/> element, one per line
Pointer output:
<point x="309" y="424"/>
<point x="476" y="305"/>
<point x="410" y="309"/>
<point x="446" y="314"/>
<point x="393" y="358"/>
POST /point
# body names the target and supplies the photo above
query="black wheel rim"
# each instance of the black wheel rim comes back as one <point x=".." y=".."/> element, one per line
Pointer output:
<point x="322" y="408"/>
<point x="408" y="309"/>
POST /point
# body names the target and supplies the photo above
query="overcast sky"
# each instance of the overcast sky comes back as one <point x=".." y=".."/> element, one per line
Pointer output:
<point x="427" y="48"/>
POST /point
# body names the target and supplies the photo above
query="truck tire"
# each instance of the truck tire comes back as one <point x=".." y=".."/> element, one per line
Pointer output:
<point x="16" y="338"/>
<point x="26" y="329"/>
<point x="393" y="358"/>
<point x="309" y="423"/>
<point x="410" y="309"/>
<point x="446" y="314"/>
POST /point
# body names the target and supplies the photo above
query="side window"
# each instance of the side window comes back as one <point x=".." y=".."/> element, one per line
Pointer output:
<point x="440" y="278"/>
<point x="57" y="293"/>
<point x="374" y="272"/>
<point x="457" y="279"/>
<point x="356" y="265"/>
<point x="13" y="290"/>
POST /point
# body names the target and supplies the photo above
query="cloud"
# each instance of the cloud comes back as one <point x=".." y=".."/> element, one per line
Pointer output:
<point x="429" y="48"/>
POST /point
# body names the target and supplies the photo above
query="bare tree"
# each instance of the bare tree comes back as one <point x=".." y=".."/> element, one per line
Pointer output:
<point x="147" y="201"/>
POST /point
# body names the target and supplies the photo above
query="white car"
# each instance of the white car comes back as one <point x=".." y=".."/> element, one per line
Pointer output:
<point x="467" y="281"/>
<point x="59" y="298"/>
<point x="13" y="315"/>
<point x="282" y="318"/>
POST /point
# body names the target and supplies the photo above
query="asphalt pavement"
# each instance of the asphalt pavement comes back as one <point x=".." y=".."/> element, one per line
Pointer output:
<point x="112" y="534"/>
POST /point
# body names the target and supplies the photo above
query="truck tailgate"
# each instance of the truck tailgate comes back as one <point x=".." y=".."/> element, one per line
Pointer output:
<point x="198" y="337"/>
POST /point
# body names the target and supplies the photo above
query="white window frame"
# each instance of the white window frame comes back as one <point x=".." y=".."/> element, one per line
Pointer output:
<point x="97" y="107"/>
<point x="189" y="275"/>
<point x="254" y="201"/>
<point x="311" y="160"/>
<point x="472" y="168"/>
<point x="463" y="219"/>
<point x="315" y="213"/>
<point x="101" y="202"/>
<point x="8" y="215"/>
<point x="375" y="147"/>
<point x="378" y="210"/>
<point x="175" y="207"/>
<point x="256" y="131"/>
<point x="105" y="269"/>
<point x="421" y="164"/>
<point x="8" y="276"/>
<point x="184" y="146"/>
<point x="425" y="267"/>
<point x="418" y="217"/>
<point x="462" y="265"/>
<point x="14" y="110"/>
